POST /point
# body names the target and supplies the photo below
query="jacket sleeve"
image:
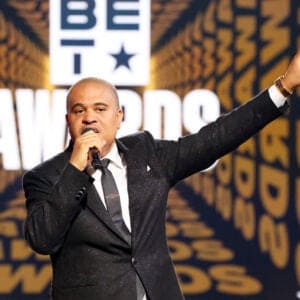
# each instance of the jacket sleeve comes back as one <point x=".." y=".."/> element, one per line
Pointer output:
<point x="52" y="203"/>
<point x="198" y="151"/>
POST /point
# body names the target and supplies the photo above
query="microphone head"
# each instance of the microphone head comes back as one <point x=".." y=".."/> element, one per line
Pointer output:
<point x="86" y="129"/>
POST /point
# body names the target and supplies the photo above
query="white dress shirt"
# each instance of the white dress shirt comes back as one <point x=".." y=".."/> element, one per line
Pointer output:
<point x="118" y="168"/>
<point x="276" y="96"/>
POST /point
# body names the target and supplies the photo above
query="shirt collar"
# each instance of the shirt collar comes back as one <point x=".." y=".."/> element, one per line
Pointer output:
<point x="115" y="156"/>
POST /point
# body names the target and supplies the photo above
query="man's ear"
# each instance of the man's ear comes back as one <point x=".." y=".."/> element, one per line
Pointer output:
<point x="67" y="119"/>
<point x="120" y="117"/>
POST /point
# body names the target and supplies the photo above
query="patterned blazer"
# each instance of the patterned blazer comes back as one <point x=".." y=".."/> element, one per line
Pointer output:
<point x="67" y="220"/>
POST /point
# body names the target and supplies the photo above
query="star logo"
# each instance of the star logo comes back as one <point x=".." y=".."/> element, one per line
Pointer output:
<point x="122" y="58"/>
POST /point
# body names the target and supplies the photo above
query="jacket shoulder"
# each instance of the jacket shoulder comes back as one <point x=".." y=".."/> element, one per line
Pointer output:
<point x="131" y="140"/>
<point x="50" y="166"/>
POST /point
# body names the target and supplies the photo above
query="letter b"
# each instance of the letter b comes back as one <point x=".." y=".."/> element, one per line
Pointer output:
<point x="77" y="14"/>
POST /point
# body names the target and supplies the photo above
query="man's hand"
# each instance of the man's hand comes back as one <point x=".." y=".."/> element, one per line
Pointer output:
<point x="291" y="79"/>
<point x="80" y="156"/>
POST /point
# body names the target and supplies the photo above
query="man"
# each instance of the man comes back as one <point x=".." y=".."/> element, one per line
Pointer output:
<point x="103" y="251"/>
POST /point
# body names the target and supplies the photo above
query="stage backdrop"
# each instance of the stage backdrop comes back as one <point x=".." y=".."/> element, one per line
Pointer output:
<point x="233" y="231"/>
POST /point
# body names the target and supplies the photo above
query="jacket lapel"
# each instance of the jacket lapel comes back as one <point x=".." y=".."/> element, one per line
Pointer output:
<point x="95" y="204"/>
<point x="135" y="159"/>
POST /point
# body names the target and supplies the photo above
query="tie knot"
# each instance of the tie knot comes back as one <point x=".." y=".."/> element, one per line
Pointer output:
<point x="105" y="162"/>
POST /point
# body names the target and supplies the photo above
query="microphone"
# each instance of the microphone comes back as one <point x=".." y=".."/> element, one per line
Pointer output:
<point x="96" y="162"/>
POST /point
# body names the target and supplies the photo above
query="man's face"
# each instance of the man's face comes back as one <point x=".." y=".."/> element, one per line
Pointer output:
<point x="93" y="105"/>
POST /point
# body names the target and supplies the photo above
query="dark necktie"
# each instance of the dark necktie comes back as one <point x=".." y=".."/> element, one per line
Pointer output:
<point x="113" y="204"/>
<point x="112" y="200"/>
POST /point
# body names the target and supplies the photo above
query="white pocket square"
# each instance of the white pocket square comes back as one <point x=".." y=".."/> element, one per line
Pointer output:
<point x="148" y="168"/>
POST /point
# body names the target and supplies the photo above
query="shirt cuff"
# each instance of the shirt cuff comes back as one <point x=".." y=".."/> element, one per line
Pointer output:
<point x="278" y="99"/>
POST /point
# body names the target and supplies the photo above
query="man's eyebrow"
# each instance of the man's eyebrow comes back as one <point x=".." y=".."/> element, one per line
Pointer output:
<point x="100" y="103"/>
<point x="79" y="104"/>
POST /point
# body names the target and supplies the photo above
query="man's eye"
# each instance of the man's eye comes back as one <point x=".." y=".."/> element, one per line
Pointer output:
<point x="78" y="111"/>
<point x="100" y="109"/>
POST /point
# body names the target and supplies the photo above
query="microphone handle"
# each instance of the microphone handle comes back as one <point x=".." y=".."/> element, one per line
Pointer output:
<point x="96" y="162"/>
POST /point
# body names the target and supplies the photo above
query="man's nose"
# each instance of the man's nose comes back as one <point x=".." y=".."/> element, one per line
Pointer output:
<point x="89" y="117"/>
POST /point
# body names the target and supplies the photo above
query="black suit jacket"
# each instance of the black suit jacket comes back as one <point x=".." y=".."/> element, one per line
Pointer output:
<point x="67" y="220"/>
